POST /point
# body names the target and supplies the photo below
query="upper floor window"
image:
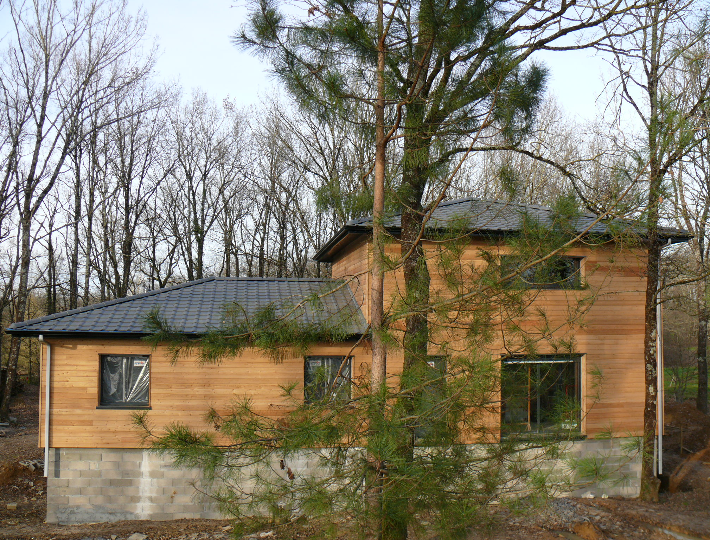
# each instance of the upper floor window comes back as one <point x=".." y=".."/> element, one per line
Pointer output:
<point x="125" y="381"/>
<point x="554" y="273"/>
<point x="327" y="376"/>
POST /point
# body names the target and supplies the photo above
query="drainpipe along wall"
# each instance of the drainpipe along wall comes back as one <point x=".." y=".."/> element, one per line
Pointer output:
<point x="660" y="396"/>
<point x="47" y="380"/>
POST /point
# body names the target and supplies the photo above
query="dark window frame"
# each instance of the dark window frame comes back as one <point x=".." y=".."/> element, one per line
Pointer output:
<point x="545" y="401"/>
<point x="105" y="403"/>
<point x="528" y="279"/>
<point x="314" y="394"/>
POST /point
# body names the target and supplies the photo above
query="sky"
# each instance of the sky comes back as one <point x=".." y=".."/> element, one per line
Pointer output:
<point x="193" y="37"/>
<point x="194" y="49"/>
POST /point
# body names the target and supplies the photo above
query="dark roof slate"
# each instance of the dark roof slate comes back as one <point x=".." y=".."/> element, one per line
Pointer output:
<point x="198" y="306"/>
<point x="487" y="217"/>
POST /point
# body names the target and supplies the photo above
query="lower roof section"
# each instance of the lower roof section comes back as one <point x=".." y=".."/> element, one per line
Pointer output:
<point x="197" y="307"/>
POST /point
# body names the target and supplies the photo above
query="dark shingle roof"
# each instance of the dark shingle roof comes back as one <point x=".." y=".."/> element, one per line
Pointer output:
<point x="485" y="218"/>
<point x="197" y="306"/>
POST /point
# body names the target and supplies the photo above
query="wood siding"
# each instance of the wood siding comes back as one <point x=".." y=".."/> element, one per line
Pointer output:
<point x="608" y="335"/>
<point x="609" y="338"/>
<point x="180" y="392"/>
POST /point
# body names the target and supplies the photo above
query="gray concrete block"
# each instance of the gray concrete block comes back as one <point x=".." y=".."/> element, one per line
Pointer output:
<point x="135" y="475"/>
<point x="71" y="474"/>
<point x="80" y="500"/>
<point x="57" y="483"/>
<point x="83" y="482"/>
<point x="112" y="455"/>
<point x="109" y="466"/>
<point x="76" y="465"/>
<point x="124" y="482"/>
<point x="162" y="516"/>
<point x="90" y="490"/>
<point x="129" y="465"/>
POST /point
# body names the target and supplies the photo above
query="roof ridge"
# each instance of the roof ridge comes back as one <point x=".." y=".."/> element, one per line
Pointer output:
<point x="115" y="301"/>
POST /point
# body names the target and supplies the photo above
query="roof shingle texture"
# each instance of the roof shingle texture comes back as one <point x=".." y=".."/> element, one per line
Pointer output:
<point x="500" y="216"/>
<point x="198" y="306"/>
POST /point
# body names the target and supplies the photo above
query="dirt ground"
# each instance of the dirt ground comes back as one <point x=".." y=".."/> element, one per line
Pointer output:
<point x="684" y="515"/>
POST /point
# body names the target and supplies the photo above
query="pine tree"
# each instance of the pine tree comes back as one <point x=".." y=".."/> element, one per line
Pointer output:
<point x="452" y="76"/>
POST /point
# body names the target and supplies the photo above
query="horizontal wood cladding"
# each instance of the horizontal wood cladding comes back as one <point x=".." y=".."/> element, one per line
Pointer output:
<point x="179" y="392"/>
<point x="353" y="264"/>
<point x="609" y="334"/>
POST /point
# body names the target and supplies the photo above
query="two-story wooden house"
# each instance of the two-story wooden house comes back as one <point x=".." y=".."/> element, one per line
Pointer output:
<point x="97" y="371"/>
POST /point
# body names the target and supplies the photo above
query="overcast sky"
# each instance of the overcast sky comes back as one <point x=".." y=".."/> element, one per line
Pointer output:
<point x="193" y="39"/>
<point x="194" y="42"/>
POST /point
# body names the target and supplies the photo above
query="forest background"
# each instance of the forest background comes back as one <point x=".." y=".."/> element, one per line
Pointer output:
<point x="115" y="182"/>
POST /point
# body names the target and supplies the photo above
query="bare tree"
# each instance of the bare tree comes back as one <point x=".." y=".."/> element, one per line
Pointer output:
<point x="691" y="199"/>
<point x="207" y="165"/>
<point x="63" y="63"/>
<point x="137" y="167"/>
<point x="644" y="60"/>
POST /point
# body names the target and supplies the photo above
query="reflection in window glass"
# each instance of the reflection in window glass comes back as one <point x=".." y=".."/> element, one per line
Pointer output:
<point x="540" y="395"/>
<point x="554" y="273"/>
<point x="431" y="417"/>
<point x="320" y="375"/>
<point x="125" y="380"/>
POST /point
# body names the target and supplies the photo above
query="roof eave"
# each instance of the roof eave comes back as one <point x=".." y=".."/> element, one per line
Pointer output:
<point x="20" y="332"/>
<point x="676" y="238"/>
<point x="58" y="334"/>
<point x="344" y="236"/>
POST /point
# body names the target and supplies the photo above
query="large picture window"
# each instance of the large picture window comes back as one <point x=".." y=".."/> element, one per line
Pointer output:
<point x="125" y="381"/>
<point x="540" y="395"/>
<point x="321" y="378"/>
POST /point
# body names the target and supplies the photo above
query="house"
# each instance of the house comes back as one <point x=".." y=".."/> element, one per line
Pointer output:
<point x="100" y="371"/>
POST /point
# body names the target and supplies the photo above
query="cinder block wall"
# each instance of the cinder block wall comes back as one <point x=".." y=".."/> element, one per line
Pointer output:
<point x="94" y="485"/>
<point x="97" y="485"/>
<point x="620" y="467"/>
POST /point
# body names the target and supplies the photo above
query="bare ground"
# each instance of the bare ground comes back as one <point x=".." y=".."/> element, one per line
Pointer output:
<point x="685" y="514"/>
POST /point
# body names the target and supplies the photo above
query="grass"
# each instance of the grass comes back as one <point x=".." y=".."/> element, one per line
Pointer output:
<point x="681" y="381"/>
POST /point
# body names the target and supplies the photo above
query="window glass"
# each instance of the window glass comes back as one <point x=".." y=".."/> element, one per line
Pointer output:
<point x="540" y="395"/>
<point x="320" y="376"/>
<point x="125" y="380"/>
<point x="554" y="273"/>
<point x="431" y="418"/>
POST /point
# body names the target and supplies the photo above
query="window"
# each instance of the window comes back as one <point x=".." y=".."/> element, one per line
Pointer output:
<point x="326" y="375"/>
<point x="540" y="395"/>
<point x="124" y="381"/>
<point x="431" y="418"/>
<point x="554" y="273"/>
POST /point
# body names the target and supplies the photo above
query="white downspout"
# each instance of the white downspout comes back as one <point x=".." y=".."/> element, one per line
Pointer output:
<point x="46" y="404"/>
<point x="660" y="396"/>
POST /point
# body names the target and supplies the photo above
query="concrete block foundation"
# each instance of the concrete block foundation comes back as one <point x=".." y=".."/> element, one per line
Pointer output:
<point x="100" y="485"/>
<point x="85" y="486"/>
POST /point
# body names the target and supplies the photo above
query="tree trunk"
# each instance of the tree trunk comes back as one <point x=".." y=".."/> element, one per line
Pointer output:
<point x="76" y="218"/>
<point x="702" y="396"/>
<point x="378" y="373"/>
<point x="20" y="309"/>
<point x="649" y="482"/>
